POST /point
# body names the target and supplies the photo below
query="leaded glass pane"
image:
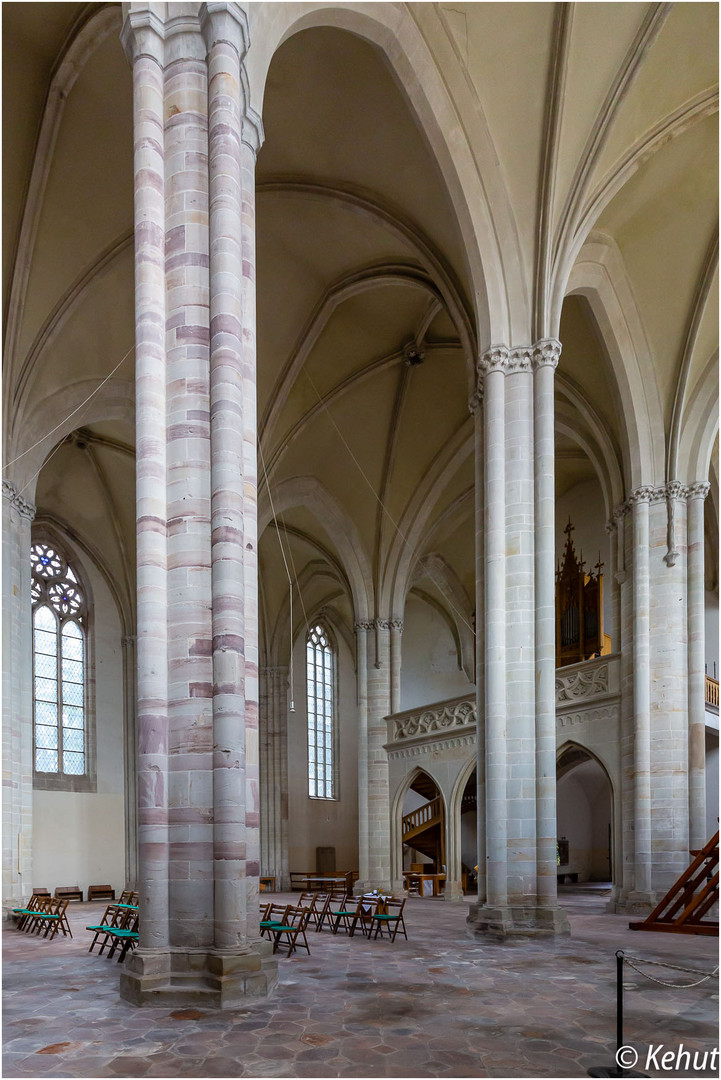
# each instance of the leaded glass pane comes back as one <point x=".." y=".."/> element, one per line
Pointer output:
<point x="46" y="667"/>
<point x="72" y="671"/>
<point x="73" y="739"/>
<point x="46" y="690"/>
<point x="72" y="717"/>
<point x="46" y="713"/>
<point x="74" y="764"/>
<point x="46" y="737"/>
<point x="46" y="642"/>
<point x="46" y="760"/>
<point x="44" y="619"/>
<point x="72" y="694"/>
<point x="72" y="647"/>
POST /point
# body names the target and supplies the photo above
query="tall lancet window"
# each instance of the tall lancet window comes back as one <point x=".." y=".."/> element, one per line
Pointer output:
<point x="59" y="665"/>
<point x="320" y="683"/>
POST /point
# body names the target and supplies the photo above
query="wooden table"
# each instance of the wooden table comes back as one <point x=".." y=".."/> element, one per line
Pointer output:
<point x="428" y="884"/>
<point x="266" y="884"/>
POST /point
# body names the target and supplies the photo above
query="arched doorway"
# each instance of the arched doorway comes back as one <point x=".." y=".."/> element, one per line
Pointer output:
<point x="584" y="812"/>
<point x="468" y="834"/>
<point x="423" y="834"/>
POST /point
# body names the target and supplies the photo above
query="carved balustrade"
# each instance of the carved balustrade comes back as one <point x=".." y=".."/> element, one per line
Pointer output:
<point x="585" y="692"/>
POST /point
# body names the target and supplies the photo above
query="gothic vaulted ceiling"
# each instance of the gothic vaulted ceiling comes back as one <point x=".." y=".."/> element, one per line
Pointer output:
<point x="592" y="131"/>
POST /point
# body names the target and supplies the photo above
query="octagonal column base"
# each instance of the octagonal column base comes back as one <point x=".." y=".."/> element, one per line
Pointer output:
<point x="496" y="924"/>
<point x="199" y="977"/>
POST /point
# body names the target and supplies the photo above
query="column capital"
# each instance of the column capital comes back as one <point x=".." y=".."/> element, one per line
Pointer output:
<point x="224" y="22"/>
<point x="519" y="359"/>
<point x="698" y="490"/>
<point x="368" y="625"/>
<point x="496" y="359"/>
<point x="642" y="495"/>
<point x="143" y="32"/>
<point x="253" y="133"/>
<point x="546" y="353"/>
<point x="23" y="506"/>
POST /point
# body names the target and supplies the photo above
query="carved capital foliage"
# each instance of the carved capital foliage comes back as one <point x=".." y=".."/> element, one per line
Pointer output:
<point x="496" y="359"/>
<point x="642" y="495"/>
<point x="546" y="353"/>
<point x="22" y="506"/>
<point x="699" y="490"/>
<point x="582" y="684"/>
<point x="396" y="624"/>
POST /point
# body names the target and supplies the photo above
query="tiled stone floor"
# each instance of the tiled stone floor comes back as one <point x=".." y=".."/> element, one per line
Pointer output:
<point x="437" y="1005"/>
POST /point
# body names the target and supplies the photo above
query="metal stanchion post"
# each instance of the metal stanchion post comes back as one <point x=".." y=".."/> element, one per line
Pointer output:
<point x="617" y="1069"/>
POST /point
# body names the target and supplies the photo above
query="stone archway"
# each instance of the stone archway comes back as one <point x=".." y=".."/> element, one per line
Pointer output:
<point x="584" y="803"/>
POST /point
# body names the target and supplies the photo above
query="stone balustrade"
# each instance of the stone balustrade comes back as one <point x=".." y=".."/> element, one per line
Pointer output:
<point x="585" y="692"/>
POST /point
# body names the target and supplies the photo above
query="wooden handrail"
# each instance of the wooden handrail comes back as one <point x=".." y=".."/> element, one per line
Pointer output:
<point x="424" y="816"/>
<point x="711" y="691"/>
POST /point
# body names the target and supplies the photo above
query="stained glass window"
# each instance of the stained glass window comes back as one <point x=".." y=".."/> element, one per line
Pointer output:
<point x="320" y="686"/>
<point x="59" y="664"/>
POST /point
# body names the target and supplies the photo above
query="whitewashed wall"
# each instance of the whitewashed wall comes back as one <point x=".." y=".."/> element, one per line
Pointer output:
<point x="430" y="670"/>
<point x="316" y="823"/>
<point x="79" y="837"/>
<point x="712" y="783"/>
<point x="712" y="633"/>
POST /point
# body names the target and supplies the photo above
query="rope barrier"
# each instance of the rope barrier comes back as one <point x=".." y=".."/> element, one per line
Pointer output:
<point x="674" y="967"/>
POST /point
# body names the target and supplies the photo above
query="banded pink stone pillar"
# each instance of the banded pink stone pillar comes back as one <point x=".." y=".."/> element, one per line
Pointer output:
<point x="197" y="573"/>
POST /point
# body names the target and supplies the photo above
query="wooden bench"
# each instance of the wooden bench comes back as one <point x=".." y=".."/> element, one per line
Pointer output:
<point x="68" y="892"/>
<point x="101" y="892"/>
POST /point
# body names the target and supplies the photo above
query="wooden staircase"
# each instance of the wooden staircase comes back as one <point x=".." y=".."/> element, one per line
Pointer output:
<point x="684" y="906"/>
<point x="424" y="828"/>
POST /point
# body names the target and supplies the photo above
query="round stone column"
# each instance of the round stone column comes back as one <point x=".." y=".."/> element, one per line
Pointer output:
<point x="17" y="705"/>
<point x="144" y="44"/>
<point x="545" y="360"/>
<point x="361" y="632"/>
<point x="696" y="670"/>
<point x="640" y="500"/>
<point x="205" y="425"/>
<point x="494" y="616"/>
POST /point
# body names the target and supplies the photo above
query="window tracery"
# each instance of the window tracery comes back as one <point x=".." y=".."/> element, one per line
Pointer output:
<point x="59" y="664"/>
<point x="320" y="686"/>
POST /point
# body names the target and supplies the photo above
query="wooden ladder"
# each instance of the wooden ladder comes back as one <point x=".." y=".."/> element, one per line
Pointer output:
<point x="683" y="907"/>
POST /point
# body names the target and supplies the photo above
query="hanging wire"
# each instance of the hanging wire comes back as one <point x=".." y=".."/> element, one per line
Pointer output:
<point x="414" y="551"/>
<point x="63" y="422"/>
<point x="287" y="570"/>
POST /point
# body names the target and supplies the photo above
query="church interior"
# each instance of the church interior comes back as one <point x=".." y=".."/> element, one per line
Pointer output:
<point x="360" y="519"/>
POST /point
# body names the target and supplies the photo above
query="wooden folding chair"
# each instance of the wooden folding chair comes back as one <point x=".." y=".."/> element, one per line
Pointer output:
<point x="275" y="915"/>
<point x="319" y="912"/>
<point x="34" y="904"/>
<point x="52" y="918"/>
<point x="391" y="918"/>
<point x="126" y="937"/>
<point x="292" y="929"/>
<point x="348" y="915"/>
<point x="114" y="917"/>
